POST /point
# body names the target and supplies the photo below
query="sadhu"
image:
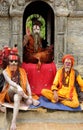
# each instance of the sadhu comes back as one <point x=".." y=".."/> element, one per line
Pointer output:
<point x="36" y="49"/>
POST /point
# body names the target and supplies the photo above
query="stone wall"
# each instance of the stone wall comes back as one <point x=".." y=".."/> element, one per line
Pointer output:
<point x="75" y="40"/>
<point x="68" y="30"/>
<point x="75" y="35"/>
<point x="4" y="31"/>
<point x="80" y="5"/>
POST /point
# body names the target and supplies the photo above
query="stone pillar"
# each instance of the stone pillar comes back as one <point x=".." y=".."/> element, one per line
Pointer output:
<point x="48" y="29"/>
<point x="16" y="33"/>
<point x="61" y="29"/>
<point x="4" y="24"/>
<point x="61" y="39"/>
<point x="16" y="13"/>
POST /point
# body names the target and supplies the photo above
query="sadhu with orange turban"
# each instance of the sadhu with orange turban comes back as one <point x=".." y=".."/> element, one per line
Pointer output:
<point x="63" y="88"/>
<point x="68" y="56"/>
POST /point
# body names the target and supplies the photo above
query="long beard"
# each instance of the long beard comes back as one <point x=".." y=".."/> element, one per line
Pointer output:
<point x="15" y="76"/>
<point x="37" y="42"/>
<point x="67" y="69"/>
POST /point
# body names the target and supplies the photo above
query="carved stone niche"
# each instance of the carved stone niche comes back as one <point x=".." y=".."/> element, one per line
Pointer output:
<point x="4" y="7"/>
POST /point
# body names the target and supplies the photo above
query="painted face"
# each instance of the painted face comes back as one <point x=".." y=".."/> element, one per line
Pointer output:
<point x="36" y="29"/>
<point x="13" y="62"/>
<point x="67" y="65"/>
<point x="13" y="67"/>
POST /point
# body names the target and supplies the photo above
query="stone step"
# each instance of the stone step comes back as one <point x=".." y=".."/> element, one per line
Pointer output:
<point x="40" y="116"/>
<point x="2" y="121"/>
<point x="49" y="126"/>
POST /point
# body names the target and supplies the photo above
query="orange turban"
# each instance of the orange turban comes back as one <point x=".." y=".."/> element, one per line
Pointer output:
<point x="68" y="56"/>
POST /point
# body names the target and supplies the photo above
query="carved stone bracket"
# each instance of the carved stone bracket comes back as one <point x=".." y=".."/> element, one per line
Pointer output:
<point x="61" y="8"/>
<point x="16" y="7"/>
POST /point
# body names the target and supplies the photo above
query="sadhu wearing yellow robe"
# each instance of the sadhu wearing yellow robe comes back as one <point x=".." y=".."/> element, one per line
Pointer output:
<point x="63" y="88"/>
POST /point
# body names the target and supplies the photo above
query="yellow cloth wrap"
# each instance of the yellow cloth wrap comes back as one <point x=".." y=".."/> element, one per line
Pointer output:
<point x="49" y="95"/>
<point x="80" y="82"/>
<point x="66" y="92"/>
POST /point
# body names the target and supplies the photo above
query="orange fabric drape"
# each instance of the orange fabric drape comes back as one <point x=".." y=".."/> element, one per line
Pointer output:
<point x="23" y="79"/>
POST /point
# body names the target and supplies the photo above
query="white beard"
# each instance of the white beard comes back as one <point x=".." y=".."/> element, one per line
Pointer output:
<point x="36" y="41"/>
<point x="67" y="69"/>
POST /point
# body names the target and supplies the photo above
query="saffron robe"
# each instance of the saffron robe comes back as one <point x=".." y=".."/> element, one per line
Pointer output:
<point x="23" y="80"/>
<point x="31" y="54"/>
<point x="66" y="92"/>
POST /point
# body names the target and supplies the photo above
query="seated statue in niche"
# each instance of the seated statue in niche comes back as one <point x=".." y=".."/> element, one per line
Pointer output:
<point x="36" y="49"/>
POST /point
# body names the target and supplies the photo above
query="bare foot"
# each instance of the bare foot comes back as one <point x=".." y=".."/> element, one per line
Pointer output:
<point x="29" y="102"/>
<point x="13" y="126"/>
<point x="2" y="109"/>
<point x="35" y="102"/>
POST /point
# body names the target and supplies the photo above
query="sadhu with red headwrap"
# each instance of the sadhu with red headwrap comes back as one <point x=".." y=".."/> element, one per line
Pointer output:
<point x="16" y="87"/>
<point x="63" y="88"/>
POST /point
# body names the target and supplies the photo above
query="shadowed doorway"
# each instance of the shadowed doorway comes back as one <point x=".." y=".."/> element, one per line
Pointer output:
<point x="45" y="11"/>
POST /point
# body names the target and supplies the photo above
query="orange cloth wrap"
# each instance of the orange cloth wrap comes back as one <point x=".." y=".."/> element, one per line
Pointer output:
<point x="23" y="79"/>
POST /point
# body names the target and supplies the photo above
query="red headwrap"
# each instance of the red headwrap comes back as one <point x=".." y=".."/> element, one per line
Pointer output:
<point x="13" y="57"/>
<point x="14" y="54"/>
<point x="14" y="50"/>
<point x="68" y="56"/>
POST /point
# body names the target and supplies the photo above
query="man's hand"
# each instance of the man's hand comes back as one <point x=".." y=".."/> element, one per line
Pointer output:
<point x="21" y="92"/>
<point x="56" y="98"/>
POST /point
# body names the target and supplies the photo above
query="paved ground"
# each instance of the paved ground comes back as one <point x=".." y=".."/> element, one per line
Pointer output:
<point x="49" y="126"/>
<point x="50" y="120"/>
<point x="41" y="119"/>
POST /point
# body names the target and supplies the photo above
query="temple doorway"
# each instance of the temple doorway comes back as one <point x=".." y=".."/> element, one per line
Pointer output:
<point x="46" y="13"/>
